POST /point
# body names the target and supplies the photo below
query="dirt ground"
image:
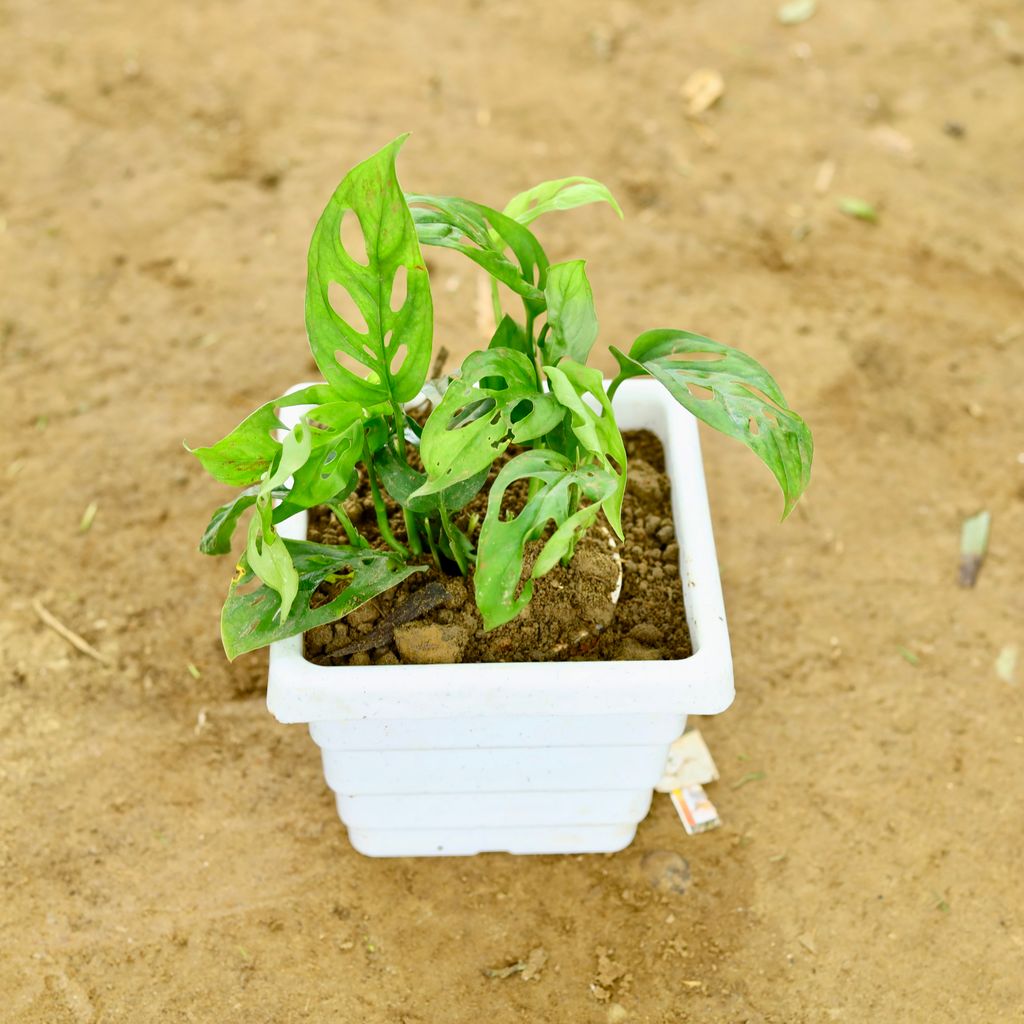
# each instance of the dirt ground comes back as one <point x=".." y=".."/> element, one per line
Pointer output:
<point x="170" y="853"/>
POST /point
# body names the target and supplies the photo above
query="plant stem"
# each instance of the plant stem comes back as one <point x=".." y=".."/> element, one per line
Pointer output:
<point x="346" y="524"/>
<point x="399" y="430"/>
<point x="414" y="535"/>
<point x="433" y="544"/>
<point x="379" y="506"/>
<point x="496" y="302"/>
<point x="532" y="348"/>
<point x="614" y="386"/>
<point x="455" y="537"/>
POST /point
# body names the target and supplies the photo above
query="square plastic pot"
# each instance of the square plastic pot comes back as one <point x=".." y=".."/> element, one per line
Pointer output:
<point x="534" y="757"/>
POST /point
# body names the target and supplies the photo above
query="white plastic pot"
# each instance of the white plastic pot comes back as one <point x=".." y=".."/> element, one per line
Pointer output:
<point x="557" y="757"/>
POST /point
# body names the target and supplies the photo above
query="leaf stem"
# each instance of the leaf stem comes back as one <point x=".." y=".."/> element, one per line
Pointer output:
<point x="433" y="544"/>
<point x="410" y="528"/>
<point x="379" y="506"/>
<point x="614" y="386"/>
<point x="347" y="525"/>
<point x="455" y="539"/>
<point x="496" y="302"/>
<point x="532" y="348"/>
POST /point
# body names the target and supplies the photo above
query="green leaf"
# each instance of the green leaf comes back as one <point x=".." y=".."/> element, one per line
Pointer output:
<point x="247" y="452"/>
<point x="501" y="551"/>
<point x="572" y="319"/>
<point x="860" y="209"/>
<point x="267" y="555"/>
<point x="372" y="194"/>
<point x="596" y="432"/>
<point x="264" y="549"/>
<point x="739" y="398"/>
<point x="216" y="539"/>
<point x="493" y="403"/>
<point x="509" y="334"/>
<point x="401" y="481"/>
<point x="796" y="11"/>
<point x="483" y="234"/>
<point x="250" y="617"/>
<point x="561" y="194"/>
<point x="336" y="433"/>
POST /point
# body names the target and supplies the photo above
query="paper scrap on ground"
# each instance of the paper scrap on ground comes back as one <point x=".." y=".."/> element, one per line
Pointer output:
<point x="689" y="763"/>
<point x="695" y="810"/>
<point x="1006" y="664"/>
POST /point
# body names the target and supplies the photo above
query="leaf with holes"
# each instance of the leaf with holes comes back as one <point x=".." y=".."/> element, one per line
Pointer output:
<point x="244" y="455"/>
<point x="216" y="539"/>
<point x="734" y="394"/>
<point x="250" y="617"/>
<point x="336" y="435"/>
<point x="572" y="319"/>
<point x="596" y="432"/>
<point x="561" y="194"/>
<point x="494" y="403"/>
<point x="264" y="549"/>
<point x="402" y="482"/>
<point x="395" y="347"/>
<point x="499" y="567"/>
<point x="483" y="234"/>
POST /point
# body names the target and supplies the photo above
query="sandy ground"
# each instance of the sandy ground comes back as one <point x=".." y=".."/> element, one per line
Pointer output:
<point x="169" y="853"/>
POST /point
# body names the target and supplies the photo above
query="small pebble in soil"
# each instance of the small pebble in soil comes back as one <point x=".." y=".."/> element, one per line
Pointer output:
<point x="646" y="633"/>
<point x="632" y="650"/>
<point x="666" y="871"/>
<point x="364" y="616"/>
<point x="645" y="481"/>
<point x="433" y="644"/>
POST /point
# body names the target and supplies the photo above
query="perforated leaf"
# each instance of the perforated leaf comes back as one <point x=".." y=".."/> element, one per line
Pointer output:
<point x="492" y="403"/>
<point x="500" y="557"/>
<point x="216" y="539"/>
<point x="394" y="350"/>
<point x="483" y="235"/>
<point x="244" y="455"/>
<point x="403" y="482"/>
<point x="596" y="432"/>
<point x="731" y="392"/>
<point x="250" y="617"/>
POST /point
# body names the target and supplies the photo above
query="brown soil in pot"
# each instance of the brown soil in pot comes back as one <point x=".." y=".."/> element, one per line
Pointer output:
<point x="432" y="618"/>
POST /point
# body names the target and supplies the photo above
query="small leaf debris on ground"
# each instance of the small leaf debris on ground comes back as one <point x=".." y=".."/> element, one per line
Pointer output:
<point x="1006" y="664"/>
<point x="973" y="546"/>
<point x="79" y="644"/>
<point x="909" y="656"/>
<point x="796" y="11"/>
<point x="193" y="671"/>
<point x="749" y="777"/>
<point x="859" y="209"/>
<point x="702" y="90"/>
<point x="529" y="969"/>
<point x="87" y="517"/>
